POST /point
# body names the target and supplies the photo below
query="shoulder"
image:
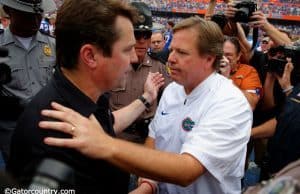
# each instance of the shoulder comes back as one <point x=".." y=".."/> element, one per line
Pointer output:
<point x="245" y="71"/>
<point x="173" y="92"/>
<point x="172" y="87"/>
<point x="161" y="56"/>
<point x="152" y="58"/>
<point x="46" y="37"/>
<point x="246" y="68"/>
<point x="225" y="91"/>
<point x="5" y="36"/>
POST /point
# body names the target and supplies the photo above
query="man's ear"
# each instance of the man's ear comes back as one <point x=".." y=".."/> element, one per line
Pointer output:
<point x="210" y="61"/>
<point x="89" y="55"/>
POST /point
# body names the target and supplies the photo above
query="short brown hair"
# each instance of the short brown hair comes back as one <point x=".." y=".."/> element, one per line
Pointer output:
<point x="210" y="37"/>
<point x="88" y="22"/>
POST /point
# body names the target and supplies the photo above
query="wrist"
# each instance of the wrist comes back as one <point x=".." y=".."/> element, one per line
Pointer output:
<point x="111" y="149"/>
<point x="145" y="101"/>
<point x="148" y="97"/>
<point x="268" y="28"/>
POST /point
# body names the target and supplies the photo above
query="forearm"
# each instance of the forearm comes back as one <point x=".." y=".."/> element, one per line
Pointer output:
<point x="180" y="169"/>
<point x="127" y="115"/>
<point x="268" y="98"/>
<point x="150" y="142"/>
<point x="264" y="130"/>
<point x="210" y="9"/>
<point x="252" y="99"/>
<point x="279" y="38"/>
<point x="245" y="46"/>
<point x="242" y="38"/>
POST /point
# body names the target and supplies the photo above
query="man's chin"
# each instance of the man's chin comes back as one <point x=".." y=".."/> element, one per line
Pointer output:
<point x="141" y="52"/>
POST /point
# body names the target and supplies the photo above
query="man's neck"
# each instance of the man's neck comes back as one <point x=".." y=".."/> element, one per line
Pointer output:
<point x="83" y="83"/>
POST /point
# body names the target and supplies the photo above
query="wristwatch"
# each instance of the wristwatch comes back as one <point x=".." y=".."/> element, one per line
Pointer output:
<point x="144" y="101"/>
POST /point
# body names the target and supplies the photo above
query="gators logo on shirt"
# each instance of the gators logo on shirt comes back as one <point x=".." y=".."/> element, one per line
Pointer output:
<point x="187" y="124"/>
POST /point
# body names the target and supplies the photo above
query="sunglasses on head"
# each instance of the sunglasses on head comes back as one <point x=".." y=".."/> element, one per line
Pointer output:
<point x="142" y="34"/>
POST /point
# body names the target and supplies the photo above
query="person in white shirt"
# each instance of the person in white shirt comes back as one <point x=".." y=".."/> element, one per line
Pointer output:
<point x="199" y="132"/>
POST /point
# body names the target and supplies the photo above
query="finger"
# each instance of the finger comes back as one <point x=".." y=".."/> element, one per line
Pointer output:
<point x="158" y="80"/>
<point x="156" y="75"/>
<point x="289" y="67"/>
<point x="64" y="114"/>
<point x="95" y="121"/>
<point x="160" y="84"/>
<point x="153" y="74"/>
<point x="54" y="114"/>
<point x="60" y="142"/>
<point x="60" y="107"/>
<point x="57" y="126"/>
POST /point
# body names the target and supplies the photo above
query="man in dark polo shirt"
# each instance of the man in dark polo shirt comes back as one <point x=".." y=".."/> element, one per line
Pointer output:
<point x="95" y="45"/>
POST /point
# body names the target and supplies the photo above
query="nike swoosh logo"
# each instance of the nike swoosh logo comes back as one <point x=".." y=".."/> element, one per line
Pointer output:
<point x="164" y="113"/>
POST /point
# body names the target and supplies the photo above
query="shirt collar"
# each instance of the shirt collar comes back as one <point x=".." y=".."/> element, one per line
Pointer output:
<point x="203" y="87"/>
<point x="9" y="37"/>
<point x="75" y="97"/>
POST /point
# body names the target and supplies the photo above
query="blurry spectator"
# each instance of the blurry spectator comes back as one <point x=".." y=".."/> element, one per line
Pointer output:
<point x="158" y="50"/>
<point x="44" y="27"/>
<point x="169" y="33"/>
<point x="245" y="77"/>
<point x="157" y="41"/>
<point x="275" y="9"/>
<point x="52" y="19"/>
<point x="4" y="18"/>
<point x="265" y="44"/>
<point x="283" y="130"/>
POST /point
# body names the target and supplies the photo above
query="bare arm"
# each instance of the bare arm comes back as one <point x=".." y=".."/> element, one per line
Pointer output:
<point x="264" y="130"/>
<point x="252" y="98"/>
<point x="268" y="99"/>
<point x="180" y="169"/>
<point x="245" y="45"/>
<point x="127" y="115"/>
<point x="150" y="142"/>
<point x="210" y="9"/>
<point x="260" y="21"/>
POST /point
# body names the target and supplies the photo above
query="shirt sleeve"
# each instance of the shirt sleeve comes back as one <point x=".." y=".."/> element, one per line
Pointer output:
<point x="251" y="80"/>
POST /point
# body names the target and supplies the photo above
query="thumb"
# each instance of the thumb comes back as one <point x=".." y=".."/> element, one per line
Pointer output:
<point x="95" y="122"/>
<point x="93" y="118"/>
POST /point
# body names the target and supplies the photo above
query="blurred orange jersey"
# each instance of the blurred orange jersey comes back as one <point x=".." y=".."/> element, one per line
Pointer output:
<point x="246" y="78"/>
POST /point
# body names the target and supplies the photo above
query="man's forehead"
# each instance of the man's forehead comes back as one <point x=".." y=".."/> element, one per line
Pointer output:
<point x="157" y="35"/>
